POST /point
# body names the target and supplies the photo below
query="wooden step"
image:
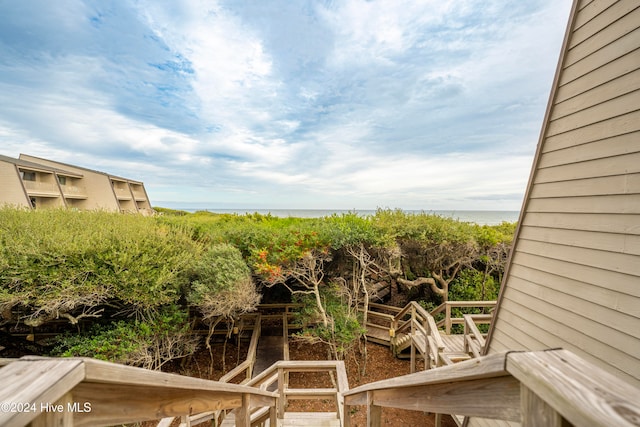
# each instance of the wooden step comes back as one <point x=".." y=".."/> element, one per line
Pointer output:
<point x="310" y="419"/>
<point x="294" y="419"/>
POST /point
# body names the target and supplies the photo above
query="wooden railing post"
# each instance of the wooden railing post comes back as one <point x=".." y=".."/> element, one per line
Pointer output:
<point x="413" y="344"/>
<point x="447" y="319"/>
<point x="374" y="412"/>
<point x="62" y="418"/>
<point x="243" y="413"/>
<point x="426" y="356"/>
<point x="281" y="388"/>
<point x="537" y="412"/>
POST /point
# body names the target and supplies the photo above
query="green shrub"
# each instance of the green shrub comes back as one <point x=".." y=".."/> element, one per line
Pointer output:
<point x="64" y="263"/>
<point x="147" y="343"/>
<point x="222" y="285"/>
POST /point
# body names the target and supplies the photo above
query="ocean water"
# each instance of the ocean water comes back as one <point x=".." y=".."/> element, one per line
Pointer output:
<point x="479" y="217"/>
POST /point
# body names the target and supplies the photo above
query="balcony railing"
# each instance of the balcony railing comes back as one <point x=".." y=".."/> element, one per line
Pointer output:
<point x="41" y="187"/>
<point x="122" y="193"/>
<point x="74" y="190"/>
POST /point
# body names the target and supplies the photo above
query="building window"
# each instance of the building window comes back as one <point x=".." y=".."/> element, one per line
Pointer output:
<point x="62" y="180"/>
<point x="33" y="202"/>
<point x="28" y="176"/>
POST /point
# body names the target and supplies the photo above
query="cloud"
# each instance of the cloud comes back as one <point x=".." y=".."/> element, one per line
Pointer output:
<point x="285" y="104"/>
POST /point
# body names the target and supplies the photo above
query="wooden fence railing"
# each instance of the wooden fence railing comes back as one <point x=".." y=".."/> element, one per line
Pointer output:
<point x="278" y="374"/>
<point x="414" y="326"/>
<point x="540" y="388"/>
<point x="87" y="392"/>
<point x="245" y="368"/>
<point x="419" y="325"/>
<point x="447" y="322"/>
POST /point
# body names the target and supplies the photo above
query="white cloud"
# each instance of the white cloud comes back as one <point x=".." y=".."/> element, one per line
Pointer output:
<point x="386" y="103"/>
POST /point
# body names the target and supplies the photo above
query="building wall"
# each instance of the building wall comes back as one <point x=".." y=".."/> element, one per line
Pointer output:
<point x="573" y="280"/>
<point x="13" y="192"/>
<point x="100" y="195"/>
<point x="574" y="277"/>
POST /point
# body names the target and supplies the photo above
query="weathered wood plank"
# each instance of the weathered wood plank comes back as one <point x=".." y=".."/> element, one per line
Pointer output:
<point x="581" y="392"/>
<point x="62" y="418"/>
<point x="489" y="366"/>
<point x="243" y="414"/>
<point x="374" y="412"/>
<point x="41" y="382"/>
<point x="98" y="371"/>
<point x="497" y="398"/>
<point x="309" y="393"/>
<point x="5" y="361"/>
<point x="536" y="412"/>
<point x="119" y="403"/>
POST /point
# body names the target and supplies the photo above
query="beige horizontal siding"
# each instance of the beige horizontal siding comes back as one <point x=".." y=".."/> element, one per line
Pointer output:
<point x="610" y="327"/>
<point x="590" y="99"/>
<point x="615" y="107"/>
<point x="608" y="166"/>
<point x="620" y="66"/>
<point x="615" y="204"/>
<point x="615" y="146"/>
<point x="573" y="279"/>
<point x="589" y="9"/>
<point x="614" y="243"/>
<point x="605" y="260"/>
<point x="612" y="24"/>
<point x="597" y="131"/>
<point x="597" y="59"/>
<point x="629" y="305"/>
<point x="608" y="223"/>
<point x="599" y="186"/>
<point x="604" y="18"/>
<point x="546" y="332"/>
<point x="619" y="285"/>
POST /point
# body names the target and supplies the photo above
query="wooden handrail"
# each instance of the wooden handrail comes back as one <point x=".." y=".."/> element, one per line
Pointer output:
<point x="279" y="372"/>
<point x="528" y="387"/>
<point x="96" y="393"/>
<point x="471" y="332"/>
<point x="446" y="307"/>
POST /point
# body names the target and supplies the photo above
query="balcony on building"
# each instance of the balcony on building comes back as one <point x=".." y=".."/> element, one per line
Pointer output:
<point x="39" y="183"/>
<point x="121" y="189"/>
<point x="72" y="187"/>
<point x="138" y="192"/>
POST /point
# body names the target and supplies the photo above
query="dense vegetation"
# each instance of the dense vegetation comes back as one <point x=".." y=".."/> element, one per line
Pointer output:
<point x="132" y="285"/>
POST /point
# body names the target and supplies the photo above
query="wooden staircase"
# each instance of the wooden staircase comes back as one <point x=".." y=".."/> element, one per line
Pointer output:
<point x="413" y="333"/>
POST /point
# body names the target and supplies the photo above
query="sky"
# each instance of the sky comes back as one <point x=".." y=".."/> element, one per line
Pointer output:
<point x="285" y="104"/>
